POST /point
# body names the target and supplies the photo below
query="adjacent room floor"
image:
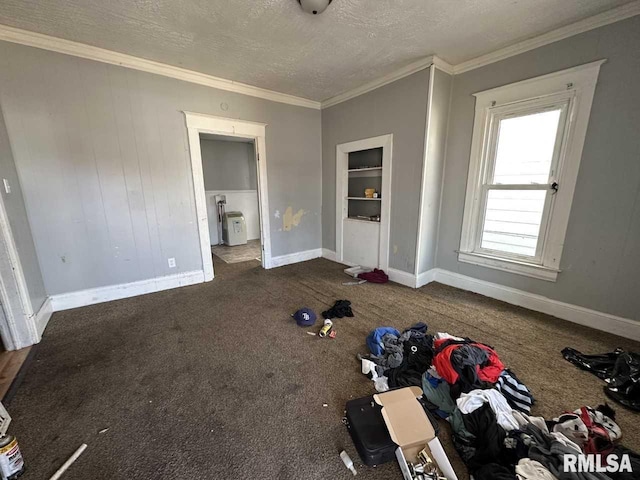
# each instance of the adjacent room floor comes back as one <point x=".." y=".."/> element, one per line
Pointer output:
<point x="216" y="380"/>
<point x="238" y="253"/>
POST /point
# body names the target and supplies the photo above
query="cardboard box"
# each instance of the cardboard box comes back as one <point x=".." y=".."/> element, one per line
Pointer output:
<point x="356" y="270"/>
<point x="411" y="430"/>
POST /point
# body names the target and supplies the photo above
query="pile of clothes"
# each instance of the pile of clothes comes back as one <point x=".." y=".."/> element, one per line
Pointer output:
<point x="398" y="359"/>
<point x="499" y="443"/>
<point x="489" y="408"/>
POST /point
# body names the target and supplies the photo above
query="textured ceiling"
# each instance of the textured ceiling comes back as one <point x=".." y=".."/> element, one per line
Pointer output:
<point x="273" y="44"/>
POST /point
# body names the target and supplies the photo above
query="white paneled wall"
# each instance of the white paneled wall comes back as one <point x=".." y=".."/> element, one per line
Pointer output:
<point x="103" y="159"/>
<point x="107" y="190"/>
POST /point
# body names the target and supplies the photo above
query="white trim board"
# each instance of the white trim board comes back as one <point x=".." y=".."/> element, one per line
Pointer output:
<point x="81" y="298"/>
<point x="605" y="322"/>
<point x="198" y="123"/>
<point x="76" y="49"/>
<point x="54" y="44"/>
<point x="426" y="278"/>
<point x="342" y="186"/>
<point x="380" y="82"/>
<point x="403" y="278"/>
<point x="571" y="92"/>
<point x="425" y="170"/>
<point x="605" y="18"/>
<point x="18" y="325"/>
<point x="397" y="276"/>
<point x="297" y="257"/>
<point x="43" y="316"/>
<point x="329" y="254"/>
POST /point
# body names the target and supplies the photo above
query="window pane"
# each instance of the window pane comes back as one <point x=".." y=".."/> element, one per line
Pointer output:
<point x="512" y="221"/>
<point x="525" y="148"/>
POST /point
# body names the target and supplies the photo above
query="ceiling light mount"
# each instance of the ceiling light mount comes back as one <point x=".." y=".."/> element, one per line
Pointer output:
<point x="314" y="7"/>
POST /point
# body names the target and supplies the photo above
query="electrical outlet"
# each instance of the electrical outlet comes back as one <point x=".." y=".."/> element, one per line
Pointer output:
<point x="172" y="262"/>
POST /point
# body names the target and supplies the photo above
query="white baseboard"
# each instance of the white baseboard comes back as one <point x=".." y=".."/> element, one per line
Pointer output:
<point x="425" y="277"/>
<point x="623" y="327"/>
<point x="43" y="316"/>
<point x="606" y="322"/>
<point x="403" y="278"/>
<point x="329" y="254"/>
<point x="294" y="258"/>
<point x="397" y="276"/>
<point x="91" y="296"/>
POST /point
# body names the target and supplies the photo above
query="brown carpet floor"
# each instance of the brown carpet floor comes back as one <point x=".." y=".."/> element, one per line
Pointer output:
<point x="215" y="381"/>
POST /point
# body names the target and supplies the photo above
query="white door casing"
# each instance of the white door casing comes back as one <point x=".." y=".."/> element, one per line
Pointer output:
<point x="342" y="184"/>
<point x="201" y="123"/>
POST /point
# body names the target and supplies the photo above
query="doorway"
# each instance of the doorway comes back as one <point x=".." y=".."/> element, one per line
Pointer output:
<point x="230" y="173"/>
<point x="247" y="135"/>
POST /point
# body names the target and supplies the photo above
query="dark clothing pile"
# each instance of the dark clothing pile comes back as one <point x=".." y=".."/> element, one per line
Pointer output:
<point x="403" y="358"/>
<point x="466" y="365"/>
<point x="620" y="369"/>
<point x="417" y="356"/>
<point x="340" y="309"/>
<point x="493" y="471"/>
<point x="489" y="437"/>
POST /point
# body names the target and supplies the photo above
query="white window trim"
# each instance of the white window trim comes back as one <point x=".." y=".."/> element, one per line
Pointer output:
<point x="576" y="84"/>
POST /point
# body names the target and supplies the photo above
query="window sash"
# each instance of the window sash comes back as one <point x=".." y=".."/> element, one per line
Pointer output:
<point x="537" y="258"/>
<point x="494" y="115"/>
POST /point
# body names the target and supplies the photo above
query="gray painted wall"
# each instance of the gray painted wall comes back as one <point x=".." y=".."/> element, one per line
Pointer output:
<point x="228" y="165"/>
<point x="399" y="108"/>
<point x="435" y="155"/>
<point x="103" y="158"/>
<point x="601" y="257"/>
<point x="17" y="214"/>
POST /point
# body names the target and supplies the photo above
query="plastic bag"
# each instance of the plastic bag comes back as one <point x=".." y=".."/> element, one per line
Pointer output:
<point x="619" y="369"/>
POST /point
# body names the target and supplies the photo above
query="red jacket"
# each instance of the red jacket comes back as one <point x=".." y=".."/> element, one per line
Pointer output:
<point x="442" y="361"/>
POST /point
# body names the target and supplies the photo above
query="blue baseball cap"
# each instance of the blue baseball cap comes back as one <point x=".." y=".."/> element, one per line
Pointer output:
<point x="305" y="317"/>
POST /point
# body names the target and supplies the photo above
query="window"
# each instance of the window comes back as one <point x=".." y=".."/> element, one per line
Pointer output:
<point x="525" y="154"/>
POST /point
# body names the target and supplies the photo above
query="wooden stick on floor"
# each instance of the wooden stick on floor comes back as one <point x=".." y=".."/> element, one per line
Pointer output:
<point x="69" y="462"/>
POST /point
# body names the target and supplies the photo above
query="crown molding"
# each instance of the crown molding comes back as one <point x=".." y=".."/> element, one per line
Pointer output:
<point x="59" y="45"/>
<point x="442" y="65"/>
<point x="54" y="44"/>
<point x="615" y="15"/>
<point x="379" y="82"/>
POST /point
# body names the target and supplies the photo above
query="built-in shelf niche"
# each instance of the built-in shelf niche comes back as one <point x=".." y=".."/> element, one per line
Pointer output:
<point x="364" y="171"/>
<point x="362" y="159"/>
<point x="362" y="223"/>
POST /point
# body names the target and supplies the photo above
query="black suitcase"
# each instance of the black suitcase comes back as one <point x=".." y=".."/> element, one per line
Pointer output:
<point x="369" y="432"/>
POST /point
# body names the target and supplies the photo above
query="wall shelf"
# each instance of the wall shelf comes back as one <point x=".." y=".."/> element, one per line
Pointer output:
<point x="363" y="166"/>
<point x="365" y="172"/>
<point x="351" y="170"/>
<point x="353" y="219"/>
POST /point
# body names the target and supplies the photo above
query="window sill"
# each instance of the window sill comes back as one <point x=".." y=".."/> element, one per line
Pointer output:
<point x="512" y="266"/>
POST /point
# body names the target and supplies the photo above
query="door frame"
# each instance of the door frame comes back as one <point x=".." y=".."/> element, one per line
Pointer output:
<point x="198" y="123"/>
<point x="20" y="325"/>
<point x="342" y="185"/>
